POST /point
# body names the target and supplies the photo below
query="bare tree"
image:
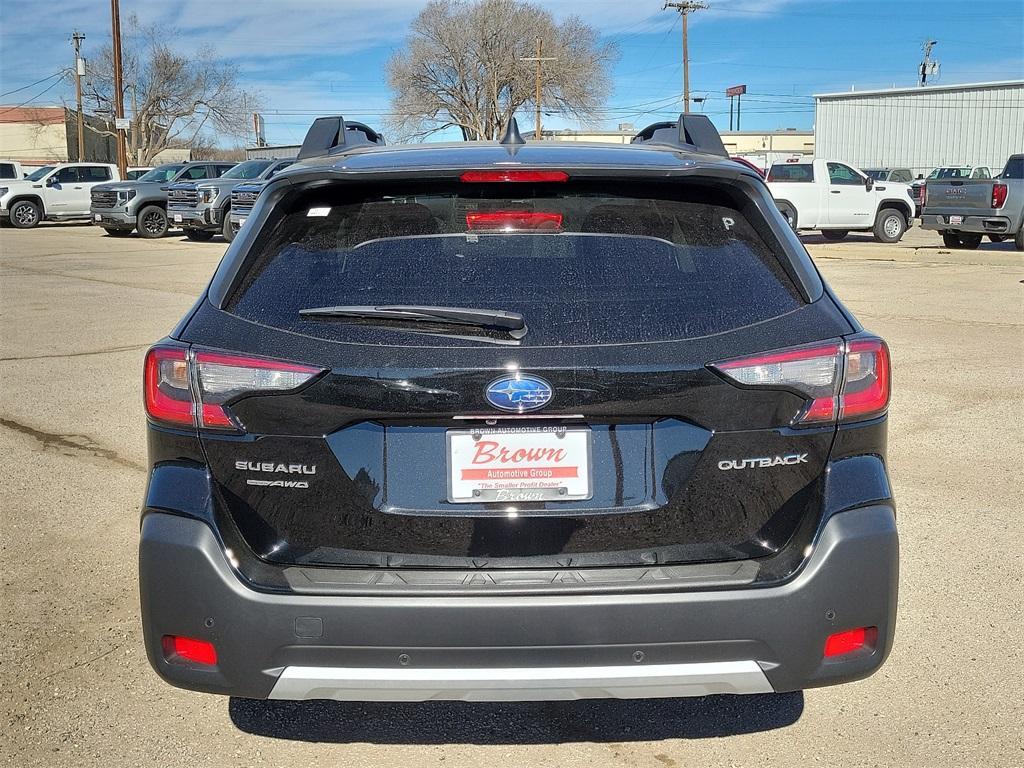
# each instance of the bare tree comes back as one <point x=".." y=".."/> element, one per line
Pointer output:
<point x="462" y="67"/>
<point x="173" y="99"/>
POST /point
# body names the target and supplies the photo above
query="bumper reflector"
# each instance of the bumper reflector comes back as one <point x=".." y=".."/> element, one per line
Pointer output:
<point x="842" y="643"/>
<point x="187" y="649"/>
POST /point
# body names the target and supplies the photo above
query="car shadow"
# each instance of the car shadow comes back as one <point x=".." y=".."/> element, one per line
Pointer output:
<point x="595" y="720"/>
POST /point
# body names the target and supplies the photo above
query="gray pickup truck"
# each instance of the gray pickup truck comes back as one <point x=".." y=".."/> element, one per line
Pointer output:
<point x="201" y="208"/>
<point x="141" y="205"/>
<point x="963" y="211"/>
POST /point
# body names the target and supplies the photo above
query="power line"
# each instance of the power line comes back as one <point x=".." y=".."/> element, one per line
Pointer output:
<point x="37" y="82"/>
<point x="19" y="106"/>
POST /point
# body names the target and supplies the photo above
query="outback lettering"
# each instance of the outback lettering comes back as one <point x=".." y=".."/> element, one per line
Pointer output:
<point x="766" y="461"/>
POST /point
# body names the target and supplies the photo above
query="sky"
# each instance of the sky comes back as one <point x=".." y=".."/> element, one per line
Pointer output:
<point x="310" y="57"/>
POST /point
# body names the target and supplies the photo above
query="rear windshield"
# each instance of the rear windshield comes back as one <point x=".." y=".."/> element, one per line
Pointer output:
<point x="1014" y="168"/>
<point x="950" y="173"/>
<point x="583" y="264"/>
<point x="791" y="172"/>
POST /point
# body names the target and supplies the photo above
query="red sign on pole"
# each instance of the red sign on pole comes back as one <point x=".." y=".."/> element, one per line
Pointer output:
<point x="736" y="90"/>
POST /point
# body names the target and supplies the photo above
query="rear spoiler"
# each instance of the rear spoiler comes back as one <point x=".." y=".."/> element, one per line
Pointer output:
<point x="332" y="134"/>
<point x="691" y="132"/>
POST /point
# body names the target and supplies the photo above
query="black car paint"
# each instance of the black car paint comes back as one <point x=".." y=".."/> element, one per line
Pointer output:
<point x="641" y="391"/>
<point x="668" y="422"/>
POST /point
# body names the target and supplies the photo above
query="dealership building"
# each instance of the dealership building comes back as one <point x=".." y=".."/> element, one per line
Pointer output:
<point x="921" y="128"/>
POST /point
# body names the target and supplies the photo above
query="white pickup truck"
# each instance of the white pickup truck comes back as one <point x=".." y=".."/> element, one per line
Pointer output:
<point x="57" y="192"/>
<point x="836" y="199"/>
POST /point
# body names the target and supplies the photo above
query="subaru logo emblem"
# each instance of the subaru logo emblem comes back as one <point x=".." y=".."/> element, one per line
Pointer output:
<point x="519" y="393"/>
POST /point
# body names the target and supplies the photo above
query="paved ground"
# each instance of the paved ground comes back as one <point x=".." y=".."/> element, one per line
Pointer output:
<point x="78" y="310"/>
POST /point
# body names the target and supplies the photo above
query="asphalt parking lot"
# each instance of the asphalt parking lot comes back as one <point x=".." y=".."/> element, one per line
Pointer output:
<point x="77" y="311"/>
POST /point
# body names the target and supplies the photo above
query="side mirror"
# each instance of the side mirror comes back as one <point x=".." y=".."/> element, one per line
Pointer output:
<point x="869" y="183"/>
<point x="920" y="176"/>
<point x="51" y="181"/>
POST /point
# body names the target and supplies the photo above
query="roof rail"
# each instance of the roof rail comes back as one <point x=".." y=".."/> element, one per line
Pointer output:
<point x="330" y="135"/>
<point x="693" y="132"/>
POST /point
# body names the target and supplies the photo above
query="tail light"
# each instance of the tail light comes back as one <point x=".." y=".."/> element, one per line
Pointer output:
<point x="924" y="195"/>
<point x="193" y="387"/>
<point x="844" y="381"/>
<point x="510" y="221"/>
<point x="843" y="643"/>
<point x="998" y="195"/>
<point x="512" y="175"/>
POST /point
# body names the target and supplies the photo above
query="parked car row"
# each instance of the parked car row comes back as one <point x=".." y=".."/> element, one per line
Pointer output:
<point x="202" y="208"/>
<point x="206" y="198"/>
<point x="962" y="203"/>
<point x="195" y="196"/>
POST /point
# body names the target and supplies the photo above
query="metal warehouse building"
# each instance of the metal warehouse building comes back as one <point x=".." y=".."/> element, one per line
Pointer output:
<point x="921" y="128"/>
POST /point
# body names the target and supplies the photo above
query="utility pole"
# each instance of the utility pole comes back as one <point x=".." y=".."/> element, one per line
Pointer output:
<point x="115" y="24"/>
<point x="538" y="58"/>
<point x="685" y="8"/>
<point x="928" y="67"/>
<point x="76" y="40"/>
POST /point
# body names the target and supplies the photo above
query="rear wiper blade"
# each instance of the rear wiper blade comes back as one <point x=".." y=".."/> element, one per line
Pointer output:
<point x="513" y="322"/>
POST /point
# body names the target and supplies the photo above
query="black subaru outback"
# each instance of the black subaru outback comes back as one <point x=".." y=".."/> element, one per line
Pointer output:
<point x="514" y="421"/>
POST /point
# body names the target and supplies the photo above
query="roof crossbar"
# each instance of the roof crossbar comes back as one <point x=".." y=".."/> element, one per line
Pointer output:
<point x="692" y="132"/>
<point x="332" y="134"/>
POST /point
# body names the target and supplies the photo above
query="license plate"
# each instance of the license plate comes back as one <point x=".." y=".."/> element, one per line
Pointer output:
<point x="177" y="218"/>
<point x="956" y="219"/>
<point x="519" y="464"/>
<point x="97" y="217"/>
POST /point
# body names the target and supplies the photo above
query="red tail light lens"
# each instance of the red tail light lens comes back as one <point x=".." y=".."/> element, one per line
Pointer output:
<point x="998" y="195"/>
<point x="181" y="384"/>
<point x="510" y="221"/>
<point x="848" y="382"/>
<point x="924" y="195"/>
<point x="865" y="391"/>
<point x="842" y="643"/>
<point x="167" y="390"/>
<point x="187" y="649"/>
<point x="511" y="175"/>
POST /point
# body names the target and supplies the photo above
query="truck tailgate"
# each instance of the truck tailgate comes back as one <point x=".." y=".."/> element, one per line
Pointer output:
<point x="962" y="196"/>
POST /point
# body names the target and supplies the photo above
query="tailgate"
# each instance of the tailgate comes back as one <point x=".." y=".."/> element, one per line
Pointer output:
<point x="966" y="197"/>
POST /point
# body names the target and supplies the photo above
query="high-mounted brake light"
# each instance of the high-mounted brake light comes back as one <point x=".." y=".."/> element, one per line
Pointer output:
<point x="512" y="175"/>
<point x="510" y="221"/>
<point x="839" y="381"/>
<point x="181" y="385"/>
<point x="842" y="643"/>
<point x="998" y="195"/>
<point x="187" y="649"/>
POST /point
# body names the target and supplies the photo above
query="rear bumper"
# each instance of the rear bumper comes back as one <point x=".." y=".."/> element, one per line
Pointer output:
<point x="527" y="647"/>
<point x="996" y="225"/>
